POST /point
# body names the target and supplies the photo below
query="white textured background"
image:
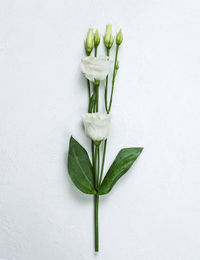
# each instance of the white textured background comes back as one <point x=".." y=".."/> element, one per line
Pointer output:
<point x="153" y="213"/>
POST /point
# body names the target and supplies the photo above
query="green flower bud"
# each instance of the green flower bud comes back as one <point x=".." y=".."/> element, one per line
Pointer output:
<point x="108" y="38"/>
<point x="89" y="43"/>
<point x="96" y="38"/>
<point x="119" y="37"/>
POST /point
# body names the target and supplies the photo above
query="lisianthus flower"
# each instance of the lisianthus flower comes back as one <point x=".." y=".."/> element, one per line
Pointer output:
<point x="96" y="68"/>
<point x="97" y="125"/>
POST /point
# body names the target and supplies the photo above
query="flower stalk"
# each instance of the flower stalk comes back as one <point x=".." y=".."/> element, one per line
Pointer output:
<point x="100" y="68"/>
<point x="96" y="200"/>
<point x="106" y="87"/>
<point x="113" y="79"/>
<point x="96" y="222"/>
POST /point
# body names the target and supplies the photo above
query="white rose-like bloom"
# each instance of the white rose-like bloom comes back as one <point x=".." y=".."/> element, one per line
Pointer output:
<point x="96" y="67"/>
<point x="96" y="125"/>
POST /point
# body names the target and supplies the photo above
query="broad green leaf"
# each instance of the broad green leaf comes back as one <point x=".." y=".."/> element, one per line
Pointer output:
<point x="119" y="167"/>
<point x="80" y="168"/>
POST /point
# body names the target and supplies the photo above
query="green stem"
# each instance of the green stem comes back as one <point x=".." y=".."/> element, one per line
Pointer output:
<point x="96" y="171"/>
<point x="113" y="79"/>
<point x="96" y="201"/>
<point x="97" y="147"/>
<point x="106" y="106"/>
<point x="103" y="160"/>
<point x="89" y="94"/>
<point x="95" y="51"/>
<point x="106" y="88"/>
<point x="95" y="157"/>
<point x="93" y="163"/>
<point x="96" y="197"/>
<point x="97" y="87"/>
<point x="95" y="166"/>
<point x="96" y="222"/>
<point x="98" y="166"/>
<point x="97" y="98"/>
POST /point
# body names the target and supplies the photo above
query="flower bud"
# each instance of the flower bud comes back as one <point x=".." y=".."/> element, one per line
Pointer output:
<point x="96" y="38"/>
<point x="119" y="37"/>
<point x="89" y="43"/>
<point x="108" y="38"/>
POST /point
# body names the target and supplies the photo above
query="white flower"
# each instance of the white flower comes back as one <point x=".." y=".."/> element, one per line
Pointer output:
<point x="96" y="67"/>
<point x="96" y="125"/>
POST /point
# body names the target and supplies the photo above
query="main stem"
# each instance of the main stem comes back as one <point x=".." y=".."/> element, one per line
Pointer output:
<point x="96" y="221"/>
<point x="96" y="197"/>
<point x="96" y="201"/>
<point x="95" y="161"/>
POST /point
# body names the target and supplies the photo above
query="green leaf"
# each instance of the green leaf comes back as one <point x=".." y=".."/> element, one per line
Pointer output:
<point x="124" y="160"/>
<point x="80" y="168"/>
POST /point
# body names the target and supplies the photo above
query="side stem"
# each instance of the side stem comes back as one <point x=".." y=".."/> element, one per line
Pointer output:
<point x="103" y="160"/>
<point x="108" y="108"/>
<point x="113" y="79"/>
<point x="106" y="88"/>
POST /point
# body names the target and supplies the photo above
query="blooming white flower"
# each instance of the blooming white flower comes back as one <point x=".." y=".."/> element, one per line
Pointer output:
<point x="96" y="125"/>
<point x="96" y="68"/>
